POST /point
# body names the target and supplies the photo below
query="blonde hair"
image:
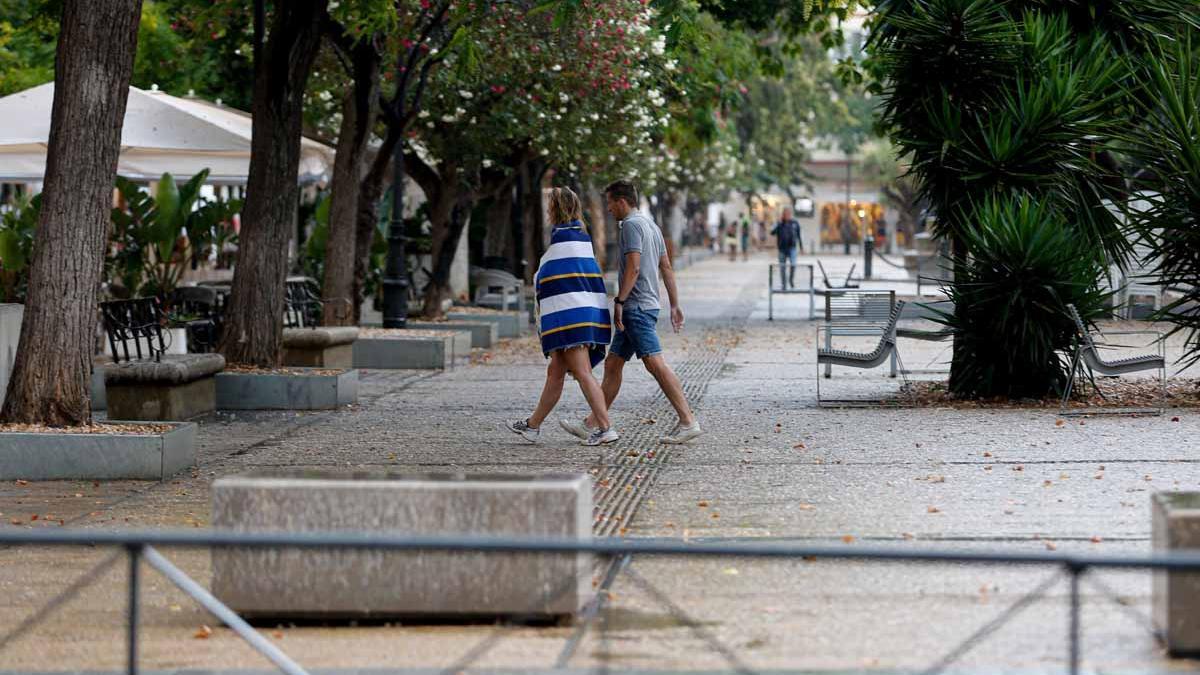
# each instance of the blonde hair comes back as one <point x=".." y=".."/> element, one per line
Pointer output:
<point x="564" y="206"/>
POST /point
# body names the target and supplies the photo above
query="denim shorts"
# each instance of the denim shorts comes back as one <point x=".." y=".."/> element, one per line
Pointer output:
<point x="639" y="336"/>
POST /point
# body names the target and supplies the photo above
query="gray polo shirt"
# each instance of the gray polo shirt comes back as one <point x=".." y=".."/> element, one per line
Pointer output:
<point x="639" y="233"/>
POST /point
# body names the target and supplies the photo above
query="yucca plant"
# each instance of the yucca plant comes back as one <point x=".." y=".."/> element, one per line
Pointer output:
<point x="1167" y="145"/>
<point x="1003" y="100"/>
<point x="1012" y="324"/>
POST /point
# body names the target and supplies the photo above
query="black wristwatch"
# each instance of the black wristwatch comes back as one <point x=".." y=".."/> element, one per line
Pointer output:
<point x="618" y="301"/>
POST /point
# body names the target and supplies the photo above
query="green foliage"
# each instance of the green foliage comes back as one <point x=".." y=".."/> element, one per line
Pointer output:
<point x="1167" y="145"/>
<point x="28" y="37"/>
<point x="1013" y="329"/>
<point x="17" y="230"/>
<point x="155" y="238"/>
<point x="998" y="100"/>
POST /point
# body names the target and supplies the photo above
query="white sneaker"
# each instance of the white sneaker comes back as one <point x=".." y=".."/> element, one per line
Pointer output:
<point x="577" y="429"/>
<point x="681" y="434"/>
<point x="524" y="430"/>
<point x="601" y="437"/>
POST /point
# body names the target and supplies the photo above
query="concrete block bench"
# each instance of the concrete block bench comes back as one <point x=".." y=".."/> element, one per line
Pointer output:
<point x="484" y="334"/>
<point x="327" y="347"/>
<point x="176" y="387"/>
<point x="363" y="582"/>
<point x="384" y="348"/>
<point x="287" y="389"/>
<point x="508" y="324"/>
<point x="1176" y="595"/>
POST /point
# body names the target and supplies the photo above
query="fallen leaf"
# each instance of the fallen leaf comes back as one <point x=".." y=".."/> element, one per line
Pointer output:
<point x="933" y="509"/>
<point x="731" y="571"/>
<point x="277" y="634"/>
<point x="810" y="558"/>
<point x="77" y="494"/>
<point x="1008" y="512"/>
<point x="176" y="608"/>
<point x="799" y="446"/>
<point x="1019" y="467"/>
<point x="716" y="515"/>
<point x="848" y="539"/>
<point x="204" y="633"/>
<point x="987" y="468"/>
<point x="1047" y="483"/>
<point x="702" y="504"/>
<point x="649" y="420"/>
<point x="15" y="521"/>
<point x="22" y="483"/>
<point x="33" y="517"/>
<point x="1059" y="423"/>
<point x="1148" y="478"/>
<point x="907" y="535"/>
<point x="806" y="507"/>
<point x="1050" y="546"/>
<point x="987" y="454"/>
<point x="1097" y="539"/>
<point x="1174" y="419"/>
<point x="623" y="531"/>
<point x="1099" y="476"/>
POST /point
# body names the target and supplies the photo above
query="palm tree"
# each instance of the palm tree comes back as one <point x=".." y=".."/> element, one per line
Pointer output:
<point x="1000" y="102"/>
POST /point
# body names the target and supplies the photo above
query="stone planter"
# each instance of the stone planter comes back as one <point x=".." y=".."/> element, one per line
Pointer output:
<point x="287" y="389"/>
<point x="382" y="349"/>
<point x="508" y="324"/>
<point x="484" y="334"/>
<point x="351" y="583"/>
<point x="1176" y="526"/>
<point x="64" y="456"/>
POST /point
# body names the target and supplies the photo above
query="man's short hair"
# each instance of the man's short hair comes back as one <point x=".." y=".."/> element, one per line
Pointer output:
<point x="623" y="189"/>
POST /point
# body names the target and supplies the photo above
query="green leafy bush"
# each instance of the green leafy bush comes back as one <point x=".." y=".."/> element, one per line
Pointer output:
<point x="17" y="228"/>
<point x="1012" y="326"/>
<point x="1168" y="147"/>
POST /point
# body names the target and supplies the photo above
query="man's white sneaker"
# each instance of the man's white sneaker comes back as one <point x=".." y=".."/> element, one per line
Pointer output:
<point x="524" y="430"/>
<point x="601" y="437"/>
<point x="578" y="429"/>
<point x="682" y="434"/>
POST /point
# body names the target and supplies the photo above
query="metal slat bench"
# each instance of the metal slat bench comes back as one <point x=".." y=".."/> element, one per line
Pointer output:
<point x="1087" y="353"/>
<point x="883" y="351"/>
<point x="857" y="313"/>
<point x="811" y="290"/>
<point x="145" y="383"/>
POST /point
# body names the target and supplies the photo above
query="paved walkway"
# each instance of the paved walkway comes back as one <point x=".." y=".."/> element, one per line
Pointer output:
<point x="772" y="468"/>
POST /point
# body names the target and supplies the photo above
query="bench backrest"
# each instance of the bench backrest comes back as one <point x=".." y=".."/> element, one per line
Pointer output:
<point x="1084" y="334"/>
<point x="139" y="321"/>
<point x="859" y="306"/>
<point x="302" y="307"/>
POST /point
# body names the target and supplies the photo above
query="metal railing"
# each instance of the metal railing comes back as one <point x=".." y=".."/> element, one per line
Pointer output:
<point x="142" y="546"/>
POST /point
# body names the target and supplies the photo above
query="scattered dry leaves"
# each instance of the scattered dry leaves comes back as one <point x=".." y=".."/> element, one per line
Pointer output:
<point x="203" y="633"/>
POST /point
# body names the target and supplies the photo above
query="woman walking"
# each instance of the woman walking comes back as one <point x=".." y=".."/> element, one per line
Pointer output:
<point x="573" y="321"/>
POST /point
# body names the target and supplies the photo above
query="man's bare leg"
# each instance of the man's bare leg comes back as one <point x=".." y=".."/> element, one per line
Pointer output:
<point x="614" y="373"/>
<point x="669" y="382"/>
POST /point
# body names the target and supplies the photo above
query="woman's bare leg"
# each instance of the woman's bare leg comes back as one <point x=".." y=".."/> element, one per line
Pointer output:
<point x="556" y="373"/>
<point x="579" y="366"/>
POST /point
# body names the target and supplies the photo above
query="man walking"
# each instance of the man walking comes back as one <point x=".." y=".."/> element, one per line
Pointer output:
<point x="787" y="240"/>
<point x="635" y="312"/>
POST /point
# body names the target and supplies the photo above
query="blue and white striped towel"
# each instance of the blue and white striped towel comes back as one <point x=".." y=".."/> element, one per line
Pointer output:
<point x="572" y="305"/>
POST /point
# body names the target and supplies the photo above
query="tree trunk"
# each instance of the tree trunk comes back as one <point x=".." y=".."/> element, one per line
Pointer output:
<point x="533" y="216"/>
<point x="497" y="243"/>
<point x="93" y="65"/>
<point x="593" y="209"/>
<point x="341" y="249"/>
<point x="254" y="320"/>
<point x="369" y="194"/>
<point x="959" y="356"/>
<point x="443" y="255"/>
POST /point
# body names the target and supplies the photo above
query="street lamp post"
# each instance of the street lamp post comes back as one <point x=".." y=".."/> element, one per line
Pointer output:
<point x="395" y="278"/>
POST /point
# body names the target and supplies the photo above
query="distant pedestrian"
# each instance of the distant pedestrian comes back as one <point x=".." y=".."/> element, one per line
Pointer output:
<point x="787" y="241"/>
<point x="745" y="227"/>
<point x="731" y="240"/>
<point x="635" y="313"/>
<point x="573" y="321"/>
